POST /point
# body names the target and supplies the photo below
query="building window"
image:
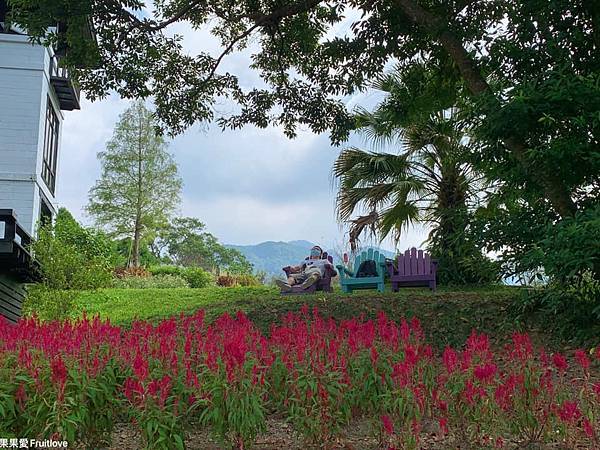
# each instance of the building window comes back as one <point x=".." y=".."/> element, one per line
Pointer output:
<point x="45" y="211"/>
<point x="50" y="147"/>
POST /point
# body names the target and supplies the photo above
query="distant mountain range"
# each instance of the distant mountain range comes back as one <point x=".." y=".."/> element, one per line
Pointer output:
<point x="271" y="256"/>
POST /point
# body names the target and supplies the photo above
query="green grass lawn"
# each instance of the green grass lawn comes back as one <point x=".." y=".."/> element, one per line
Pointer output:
<point x="448" y="316"/>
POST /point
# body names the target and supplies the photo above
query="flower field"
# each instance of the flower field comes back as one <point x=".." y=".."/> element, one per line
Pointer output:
<point x="75" y="381"/>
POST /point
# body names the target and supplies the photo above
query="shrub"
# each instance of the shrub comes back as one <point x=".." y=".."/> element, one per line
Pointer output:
<point x="237" y="280"/>
<point x="122" y="272"/>
<point x="48" y="304"/>
<point x="72" y="257"/>
<point x="195" y="276"/>
<point x="226" y="281"/>
<point x="247" y="280"/>
<point x="165" y="270"/>
<point x="152" y="282"/>
<point x="571" y="310"/>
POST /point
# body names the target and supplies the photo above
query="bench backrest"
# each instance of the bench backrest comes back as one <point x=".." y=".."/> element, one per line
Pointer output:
<point x="369" y="255"/>
<point x="414" y="262"/>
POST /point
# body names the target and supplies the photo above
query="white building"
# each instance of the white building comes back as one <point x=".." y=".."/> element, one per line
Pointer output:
<point x="34" y="92"/>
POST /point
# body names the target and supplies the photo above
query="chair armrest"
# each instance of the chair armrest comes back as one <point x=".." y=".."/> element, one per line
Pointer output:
<point x="391" y="268"/>
<point x="344" y="271"/>
<point x="381" y="268"/>
<point x="330" y="271"/>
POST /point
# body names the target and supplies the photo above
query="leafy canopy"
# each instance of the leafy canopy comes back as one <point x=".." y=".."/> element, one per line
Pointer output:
<point x="527" y="70"/>
<point x="185" y="242"/>
<point x="139" y="186"/>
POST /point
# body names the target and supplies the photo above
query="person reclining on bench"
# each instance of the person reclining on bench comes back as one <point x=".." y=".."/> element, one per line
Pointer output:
<point x="307" y="273"/>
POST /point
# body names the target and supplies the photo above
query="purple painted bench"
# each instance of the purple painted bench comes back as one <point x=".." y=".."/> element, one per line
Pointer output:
<point x="414" y="268"/>
<point x="324" y="284"/>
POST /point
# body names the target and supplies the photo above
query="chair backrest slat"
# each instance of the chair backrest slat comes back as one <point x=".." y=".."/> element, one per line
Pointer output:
<point x="420" y="265"/>
<point x="427" y="261"/>
<point x="400" y="265"/>
<point x="357" y="261"/>
<point x="413" y="261"/>
<point x="407" y="262"/>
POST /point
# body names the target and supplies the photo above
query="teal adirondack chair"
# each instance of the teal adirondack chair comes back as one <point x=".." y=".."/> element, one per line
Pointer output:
<point x="349" y="281"/>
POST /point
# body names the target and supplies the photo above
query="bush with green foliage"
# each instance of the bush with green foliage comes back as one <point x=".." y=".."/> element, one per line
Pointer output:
<point x="233" y="280"/>
<point x="195" y="276"/>
<point x="71" y="258"/>
<point x="49" y="304"/>
<point x="571" y="310"/>
<point x="164" y="281"/>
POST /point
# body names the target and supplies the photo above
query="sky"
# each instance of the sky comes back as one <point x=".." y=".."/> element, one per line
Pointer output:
<point x="247" y="186"/>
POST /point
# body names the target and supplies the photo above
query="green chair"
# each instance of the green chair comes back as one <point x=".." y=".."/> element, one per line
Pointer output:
<point x="349" y="281"/>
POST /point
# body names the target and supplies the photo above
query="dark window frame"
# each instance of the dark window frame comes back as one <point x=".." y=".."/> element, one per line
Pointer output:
<point x="50" y="156"/>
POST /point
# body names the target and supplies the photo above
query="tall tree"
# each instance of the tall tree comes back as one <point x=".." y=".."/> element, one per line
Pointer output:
<point x="139" y="186"/>
<point x="425" y="180"/>
<point x="186" y="242"/>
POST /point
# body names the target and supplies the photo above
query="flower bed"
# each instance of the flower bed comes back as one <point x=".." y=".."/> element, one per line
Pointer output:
<point x="74" y="381"/>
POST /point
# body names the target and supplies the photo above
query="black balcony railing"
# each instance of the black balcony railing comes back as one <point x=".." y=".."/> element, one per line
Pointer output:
<point x="17" y="266"/>
<point x="66" y="89"/>
<point x="15" y="256"/>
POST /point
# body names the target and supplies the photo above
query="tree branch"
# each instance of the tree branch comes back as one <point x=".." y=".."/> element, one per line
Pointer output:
<point x="554" y="188"/>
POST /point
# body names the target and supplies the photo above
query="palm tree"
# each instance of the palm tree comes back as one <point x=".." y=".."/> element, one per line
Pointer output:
<point x="428" y="181"/>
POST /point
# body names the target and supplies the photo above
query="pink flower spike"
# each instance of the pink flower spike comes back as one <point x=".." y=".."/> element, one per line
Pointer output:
<point x="388" y="425"/>
<point x="569" y="412"/>
<point x="582" y="359"/>
<point x="560" y="362"/>
<point x="588" y="429"/>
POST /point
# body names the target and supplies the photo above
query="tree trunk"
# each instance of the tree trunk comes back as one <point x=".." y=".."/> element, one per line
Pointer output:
<point x="135" y="254"/>
<point x="137" y="233"/>
<point x="554" y="188"/>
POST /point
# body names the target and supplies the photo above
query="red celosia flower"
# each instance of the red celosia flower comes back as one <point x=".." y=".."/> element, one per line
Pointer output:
<point x="21" y="395"/>
<point x="165" y="389"/>
<point x="132" y="389"/>
<point x="569" y="412"/>
<point x="374" y="356"/>
<point x="153" y="387"/>
<point x="140" y="367"/>
<point x="522" y="348"/>
<point x="560" y="362"/>
<point x="443" y="425"/>
<point x="59" y="371"/>
<point x="588" y="429"/>
<point x="596" y="389"/>
<point x="485" y="373"/>
<point x="388" y="425"/>
<point x="582" y="359"/>
<point x="450" y="359"/>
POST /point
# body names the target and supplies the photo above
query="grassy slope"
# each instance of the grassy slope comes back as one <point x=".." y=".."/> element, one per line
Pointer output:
<point x="448" y="316"/>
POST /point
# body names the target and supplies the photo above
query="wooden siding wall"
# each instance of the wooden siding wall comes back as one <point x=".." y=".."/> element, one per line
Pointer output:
<point x="24" y="90"/>
<point x="12" y="295"/>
